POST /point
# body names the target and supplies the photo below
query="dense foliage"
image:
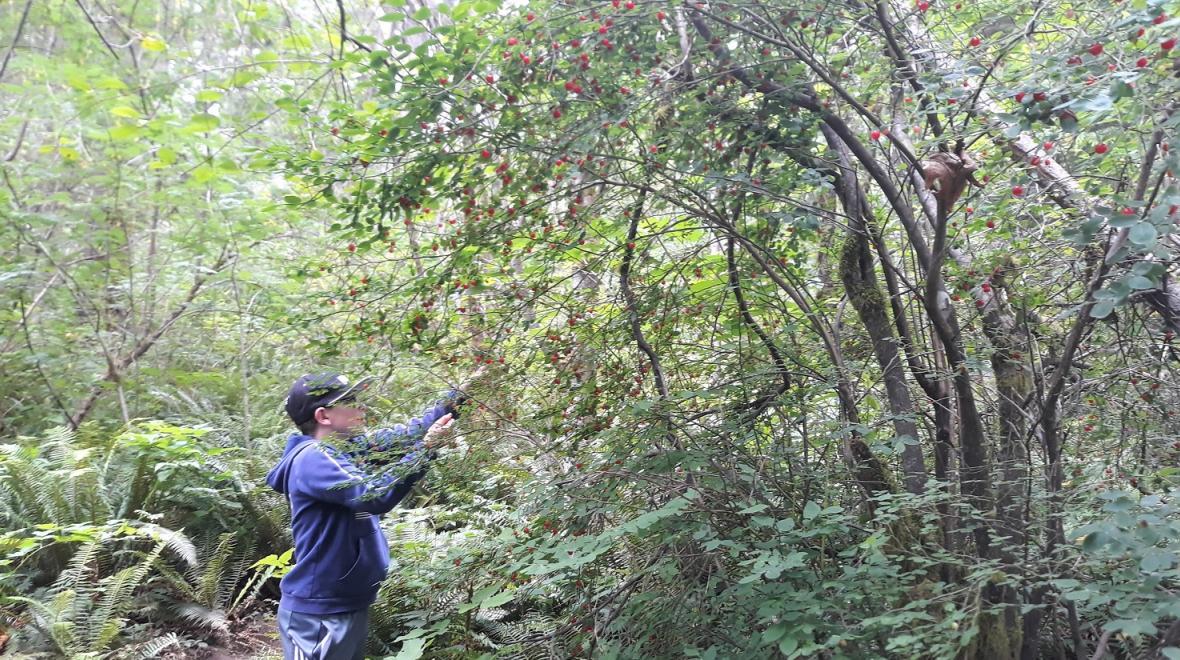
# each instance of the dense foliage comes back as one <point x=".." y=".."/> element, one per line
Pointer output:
<point x="761" y="382"/>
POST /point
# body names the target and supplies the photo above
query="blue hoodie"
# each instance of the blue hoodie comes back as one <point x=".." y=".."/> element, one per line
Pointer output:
<point x="341" y="554"/>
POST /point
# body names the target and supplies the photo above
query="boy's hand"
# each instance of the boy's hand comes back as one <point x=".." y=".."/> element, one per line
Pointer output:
<point x="440" y="433"/>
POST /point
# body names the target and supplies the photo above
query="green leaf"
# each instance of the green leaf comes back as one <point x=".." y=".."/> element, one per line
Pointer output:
<point x="204" y="173"/>
<point x="202" y="123"/>
<point x="242" y="78"/>
<point x="774" y="633"/>
<point x="412" y="649"/>
<point x="1138" y="282"/>
<point x="125" y="132"/>
<point x="811" y="510"/>
<point x="153" y="44"/>
<point x="1144" y="235"/>
<point x="497" y="600"/>
<point x="125" y="111"/>
<point x="1131" y="627"/>
<point x="209" y="95"/>
<point x="1101" y="310"/>
<point x="1157" y="560"/>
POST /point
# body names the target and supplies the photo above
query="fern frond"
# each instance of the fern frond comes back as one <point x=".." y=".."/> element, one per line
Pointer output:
<point x="251" y="589"/>
<point x="204" y="617"/>
<point x="153" y="648"/>
<point x="175" y="541"/>
<point x="81" y="564"/>
<point x="210" y="579"/>
<point x="177" y="581"/>
<point x="105" y="619"/>
<point x="53" y="619"/>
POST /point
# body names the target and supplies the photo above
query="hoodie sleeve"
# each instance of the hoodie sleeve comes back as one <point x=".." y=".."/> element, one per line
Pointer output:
<point x="329" y="476"/>
<point x="408" y="436"/>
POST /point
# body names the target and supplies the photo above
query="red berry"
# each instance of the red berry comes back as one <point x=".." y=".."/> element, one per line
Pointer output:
<point x="630" y="5"/>
<point x="975" y="41"/>
<point x="485" y="154"/>
<point x="531" y="16"/>
<point x="876" y="135"/>
<point x="1141" y="62"/>
<point x="1019" y="97"/>
<point x="1018" y="191"/>
<point x="1039" y="96"/>
<point x="991" y="224"/>
<point x="512" y="41"/>
<point x="1101" y="148"/>
<point x="1048" y="146"/>
<point x="556" y="113"/>
<point x="660" y="16"/>
<point x="1168" y="44"/>
<point x="1095" y="50"/>
<point x="352" y="247"/>
<point x="1159" y="19"/>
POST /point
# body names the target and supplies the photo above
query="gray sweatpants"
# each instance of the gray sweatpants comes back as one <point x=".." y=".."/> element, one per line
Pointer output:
<point x="323" y="636"/>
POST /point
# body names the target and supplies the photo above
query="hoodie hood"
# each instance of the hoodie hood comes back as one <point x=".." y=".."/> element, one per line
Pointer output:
<point x="278" y="476"/>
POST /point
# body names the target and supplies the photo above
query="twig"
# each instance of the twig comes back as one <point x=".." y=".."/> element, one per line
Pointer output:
<point x="12" y="46"/>
<point x="1100" y="650"/>
<point x="24" y="324"/>
<point x="97" y="31"/>
<point x="344" y="33"/>
<point x="20" y="139"/>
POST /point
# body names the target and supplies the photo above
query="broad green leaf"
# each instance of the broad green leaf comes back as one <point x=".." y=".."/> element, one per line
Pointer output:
<point x="1131" y="627"/>
<point x="811" y="510"/>
<point x="204" y="173"/>
<point x="1101" y="310"/>
<point x="497" y="600"/>
<point x="412" y="649"/>
<point x="125" y="111"/>
<point x="1144" y="234"/>
<point x="125" y="131"/>
<point x="1138" y="282"/>
<point x="202" y="122"/>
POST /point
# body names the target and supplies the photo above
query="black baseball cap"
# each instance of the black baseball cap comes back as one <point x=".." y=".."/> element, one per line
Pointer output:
<point x="314" y="391"/>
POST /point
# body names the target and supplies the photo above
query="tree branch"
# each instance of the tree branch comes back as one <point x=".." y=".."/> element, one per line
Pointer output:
<point x="20" y="27"/>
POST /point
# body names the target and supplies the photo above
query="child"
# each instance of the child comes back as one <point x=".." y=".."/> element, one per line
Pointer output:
<point x="341" y="555"/>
